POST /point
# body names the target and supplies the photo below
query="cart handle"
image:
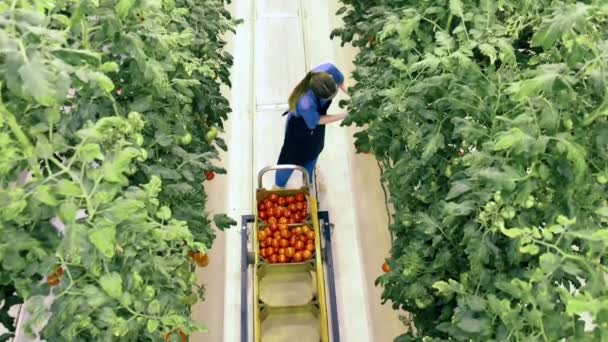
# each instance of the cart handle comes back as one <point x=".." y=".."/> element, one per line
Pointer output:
<point x="305" y="176"/>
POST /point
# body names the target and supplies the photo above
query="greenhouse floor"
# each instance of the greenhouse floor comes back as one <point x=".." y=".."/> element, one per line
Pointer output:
<point x="277" y="43"/>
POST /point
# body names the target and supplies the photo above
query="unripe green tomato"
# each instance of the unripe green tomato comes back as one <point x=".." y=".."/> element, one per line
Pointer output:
<point x="568" y="124"/>
<point x="529" y="202"/>
<point x="185" y="139"/>
<point x="211" y="134"/>
<point x="143" y="156"/>
<point x="139" y="139"/>
<point x="149" y="293"/>
<point x="602" y="179"/>
<point x="448" y="171"/>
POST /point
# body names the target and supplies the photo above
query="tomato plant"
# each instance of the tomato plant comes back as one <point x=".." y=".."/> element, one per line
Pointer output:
<point x="488" y="119"/>
<point x="102" y="179"/>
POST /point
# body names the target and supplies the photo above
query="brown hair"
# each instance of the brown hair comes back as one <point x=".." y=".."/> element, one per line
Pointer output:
<point x="322" y="85"/>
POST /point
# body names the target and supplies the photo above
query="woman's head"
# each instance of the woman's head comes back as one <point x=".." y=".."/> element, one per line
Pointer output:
<point x="322" y="85"/>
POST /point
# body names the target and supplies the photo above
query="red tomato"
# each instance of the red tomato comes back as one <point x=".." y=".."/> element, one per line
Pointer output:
<point x="305" y="229"/>
<point x="297" y="217"/>
<point x="273" y="198"/>
<point x="300" y="206"/>
<point x="261" y="235"/>
<point x="282" y="259"/>
<point x="297" y="257"/>
<point x="386" y="268"/>
<point x="261" y="206"/>
<point x="287" y="213"/>
<point x="270" y="212"/>
<point x="276" y="234"/>
<point x="289" y="252"/>
<point x="283" y="226"/>
<point x="292" y="220"/>
<point x="300" y="197"/>
<point x="277" y="212"/>
<point x="303" y="213"/>
<point x="306" y="254"/>
<point x="263" y="252"/>
<point x="273" y="226"/>
<point x="263" y="243"/>
<point x="275" y="243"/>
<point x="269" y="252"/>
<point x="274" y="259"/>
<point x="209" y="175"/>
<point x="303" y="238"/>
<point x="262" y="215"/>
<point x="297" y="230"/>
<point x="283" y="220"/>
<point x="299" y="246"/>
<point x="281" y="201"/>
<point x="272" y="220"/>
<point x="281" y="251"/>
<point x="292" y="240"/>
<point x="310" y="235"/>
<point x="285" y="233"/>
<point x="268" y="241"/>
<point x="52" y="280"/>
<point x="310" y="247"/>
<point x="267" y="203"/>
<point x="283" y="243"/>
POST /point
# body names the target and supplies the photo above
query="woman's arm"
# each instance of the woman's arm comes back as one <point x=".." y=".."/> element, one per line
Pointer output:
<point x="325" y="119"/>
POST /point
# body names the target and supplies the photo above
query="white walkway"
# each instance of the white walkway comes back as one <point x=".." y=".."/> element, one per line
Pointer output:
<point x="278" y="42"/>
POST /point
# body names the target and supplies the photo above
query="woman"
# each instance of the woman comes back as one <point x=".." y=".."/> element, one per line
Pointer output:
<point x="306" y="120"/>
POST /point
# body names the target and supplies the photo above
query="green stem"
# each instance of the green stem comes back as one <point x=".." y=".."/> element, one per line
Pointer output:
<point x="28" y="148"/>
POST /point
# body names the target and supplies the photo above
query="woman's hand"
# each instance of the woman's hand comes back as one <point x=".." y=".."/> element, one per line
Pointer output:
<point x="325" y="119"/>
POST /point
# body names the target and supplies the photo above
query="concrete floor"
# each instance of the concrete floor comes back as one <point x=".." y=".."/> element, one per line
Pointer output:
<point x="279" y="41"/>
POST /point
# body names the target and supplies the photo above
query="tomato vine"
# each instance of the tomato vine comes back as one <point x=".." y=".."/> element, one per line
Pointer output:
<point x="489" y="121"/>
<point x="109" y="120"/>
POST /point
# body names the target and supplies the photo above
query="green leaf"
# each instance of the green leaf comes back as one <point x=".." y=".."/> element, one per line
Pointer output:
<point x="456" y="8"/>
<point x="470" y="325"/>
<point x="154" y="307"/>
<point x="68" y="188"/>
<point x="37" y="81"/>
<point x="111" y="284"/>
<point x="105" y="83"/>
<point x="109" y="67"/>
<point x="434" y="144"/>
<point x="164" y="213"/>
<point x="489" y="51"/>
<point x="549" y="262"/>
<point x="458" y="188"/>
<point x="529" y="249"/>
<point x="152" y="325"/>
<point x="222" y="221"/>
<point x="565" y="18"/>
<point x="43" y="194"/>
<point x="90" y="152"/>
<point x="512" y="138"/>
<point x="513" y="232"/>
<point x="104" y="239"/>
<point x="94" y="296"/>
<point x="123" y="6"/>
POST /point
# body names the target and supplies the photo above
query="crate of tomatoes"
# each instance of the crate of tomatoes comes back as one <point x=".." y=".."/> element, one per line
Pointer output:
<point x="282" y="243"/>
<point x="288" y="209"/>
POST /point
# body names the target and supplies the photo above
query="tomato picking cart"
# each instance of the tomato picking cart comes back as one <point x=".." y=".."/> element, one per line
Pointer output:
<point x="287" y="259"/>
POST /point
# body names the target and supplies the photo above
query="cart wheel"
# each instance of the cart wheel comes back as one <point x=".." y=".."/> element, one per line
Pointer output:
<point x="250" y="258"/>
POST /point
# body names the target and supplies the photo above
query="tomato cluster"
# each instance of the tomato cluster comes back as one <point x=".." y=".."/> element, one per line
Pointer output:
<point x="201" y="259"/>
<point x="280" y="244"/>
<point x="283" y="209"/>
<point x="54" y="279"/>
